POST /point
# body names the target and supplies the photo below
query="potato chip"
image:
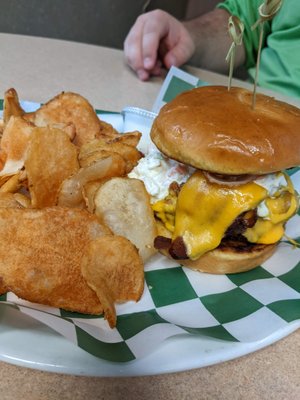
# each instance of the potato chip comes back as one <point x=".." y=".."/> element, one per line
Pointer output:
<point x="91" y="149"/>
<point x="13" y="184"/>
<point x="109" y="134"/>
<point x="11" y="105"/>
<point x="97" y="155"/>
<point x="69" y="129"/>
<point x="2" y="159"/>
<point x="113" y="268"/>
<point x="1" y="127"/>
<point x="71" y="191"/>
<point x="107" y="131"/>
<point x="51" y="158"/>
<point x="124" y="205"/>
<point x="54" y="161"/>
<point x="129" y="138"/>
<point x="14" y="144"/>
<point x="129" y="153"/>
<point x="22" y="200"/>
<point x="41" y="252"/>
<point x="69" y="108"/>
<point x="8" y="200"/>
<point x="89" y="191"/>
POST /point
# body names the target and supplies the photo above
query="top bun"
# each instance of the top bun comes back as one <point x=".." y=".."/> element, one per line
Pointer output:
<point x="217" y="130"/>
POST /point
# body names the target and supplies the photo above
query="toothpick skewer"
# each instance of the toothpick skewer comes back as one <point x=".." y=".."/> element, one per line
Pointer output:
<point x="267" y="11"/>
<point x="236" y="30"/>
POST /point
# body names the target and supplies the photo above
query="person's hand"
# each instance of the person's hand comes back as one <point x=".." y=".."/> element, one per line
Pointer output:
<point x="157" y="39"/>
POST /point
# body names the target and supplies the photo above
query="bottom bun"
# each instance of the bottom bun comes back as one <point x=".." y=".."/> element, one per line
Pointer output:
<point x="227" y="260"/>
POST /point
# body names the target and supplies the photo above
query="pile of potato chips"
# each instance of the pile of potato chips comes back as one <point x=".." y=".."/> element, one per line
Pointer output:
<point x="75" y="230"/>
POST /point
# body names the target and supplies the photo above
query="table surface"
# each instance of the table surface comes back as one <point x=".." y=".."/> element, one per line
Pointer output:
<point x="41" y="68"/>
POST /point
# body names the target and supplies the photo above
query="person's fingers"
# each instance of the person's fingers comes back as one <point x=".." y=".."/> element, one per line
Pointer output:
<point x="143" y="74"/>
<point x="133" y="46"/>
<point x="157" y="36"/>
<point x="181" y="47"/>
<point x="155" y="29"/>
<point x="178" y="56"/>
<point x="157" y="69"/>
<point x="175" y="45"/>
<point x="142" y="43"/>
<point x="134" y="54"/>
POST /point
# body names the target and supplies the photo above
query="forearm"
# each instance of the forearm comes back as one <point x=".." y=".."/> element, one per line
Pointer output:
<point x="212" y="41"/>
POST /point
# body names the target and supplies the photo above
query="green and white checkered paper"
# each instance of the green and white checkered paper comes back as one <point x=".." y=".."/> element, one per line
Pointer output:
<point x="246" y="307"/>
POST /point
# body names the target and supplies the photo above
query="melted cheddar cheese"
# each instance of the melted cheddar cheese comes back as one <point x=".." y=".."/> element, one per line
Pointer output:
<point x="165" y="210"/>
<point x="282" y="206"/>
<point x="203" y="211"/>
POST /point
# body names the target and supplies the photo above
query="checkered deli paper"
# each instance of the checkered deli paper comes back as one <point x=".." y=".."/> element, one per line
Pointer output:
<point x="246" y="307"/>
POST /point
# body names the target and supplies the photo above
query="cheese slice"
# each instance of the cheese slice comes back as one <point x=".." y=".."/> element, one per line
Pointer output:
<point x="282" y="206"/>
<point x="205" y="210"/>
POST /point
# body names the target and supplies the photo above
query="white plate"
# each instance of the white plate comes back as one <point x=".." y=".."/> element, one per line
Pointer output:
<point x="26" y="342"/>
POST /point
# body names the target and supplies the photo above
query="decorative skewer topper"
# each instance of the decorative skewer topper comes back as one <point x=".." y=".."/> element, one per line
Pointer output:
<point x="236" y="30"/>
<point x="267" y="10"/>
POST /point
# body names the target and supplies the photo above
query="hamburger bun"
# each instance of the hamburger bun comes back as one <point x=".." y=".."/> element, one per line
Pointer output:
<point x="217" y="130"/>
<point x="232" y="146"/>
<point x="226" y="260"/>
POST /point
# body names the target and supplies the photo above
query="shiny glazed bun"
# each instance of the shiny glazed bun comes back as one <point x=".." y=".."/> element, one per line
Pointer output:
<point x="217" y="130"/>
<point x="230" y="213"/>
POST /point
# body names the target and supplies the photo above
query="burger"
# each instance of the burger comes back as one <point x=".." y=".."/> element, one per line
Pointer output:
<point x="225" y="197"/>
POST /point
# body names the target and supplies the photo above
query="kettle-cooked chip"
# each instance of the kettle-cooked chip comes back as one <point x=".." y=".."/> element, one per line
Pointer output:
<point x="107" y="131"/>
<point x="58" y="194"/>
<point x="14" y="144"/>
<point x="129" y="138"/>
<point x="113" y="268"/>
<point x="89" y="191"/>
<point x="130" y="154"/>
<point x="1" y="127"/>
<point x="69" y="108"/>
<point x="14" y="183"/>
<point x="11" y="105"/>
<point x="8" y="200"/>
<point x="71" y="191"/>
<point x="97" y="155"/>
<point x="41" y="252"/>
<point x="22" y="199"/>
<point x="2" y="155"/>
<point x="124" y="205"/>
<point x="51" y="158"/>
